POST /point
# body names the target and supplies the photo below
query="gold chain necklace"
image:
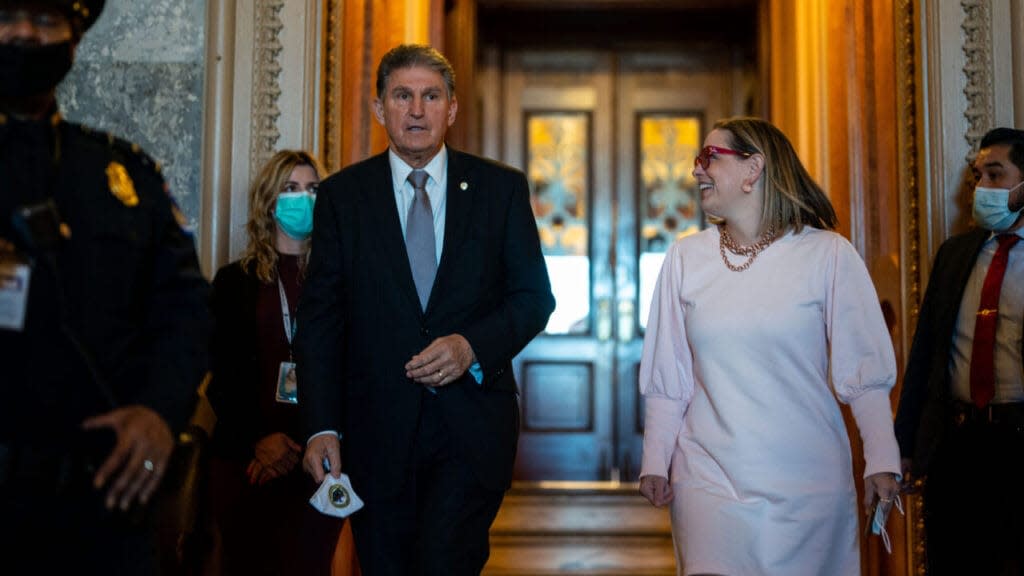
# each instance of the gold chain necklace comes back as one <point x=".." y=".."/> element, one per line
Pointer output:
<point x="751" y="252"/>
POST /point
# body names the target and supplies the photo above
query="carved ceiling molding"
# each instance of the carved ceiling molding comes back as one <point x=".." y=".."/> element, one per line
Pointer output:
<point x="266" y="89"/>
<point x="977" y="47"/>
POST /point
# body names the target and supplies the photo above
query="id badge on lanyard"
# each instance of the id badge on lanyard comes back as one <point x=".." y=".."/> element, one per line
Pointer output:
<point x="14" y="278"/>
<point x="287" y="382"/>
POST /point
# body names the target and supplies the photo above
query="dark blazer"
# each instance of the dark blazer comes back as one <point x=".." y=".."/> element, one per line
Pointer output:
<point x="360" y="320"/>
<point x="233" y="361"/>
<point x="924" y="415"/>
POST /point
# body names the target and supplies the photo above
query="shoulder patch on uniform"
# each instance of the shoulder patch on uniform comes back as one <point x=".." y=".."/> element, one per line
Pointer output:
<point x="178" y="215"/>
<point x="121" y="185"/>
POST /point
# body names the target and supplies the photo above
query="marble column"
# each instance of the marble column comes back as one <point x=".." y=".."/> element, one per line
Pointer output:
<point x="139" y="74"/>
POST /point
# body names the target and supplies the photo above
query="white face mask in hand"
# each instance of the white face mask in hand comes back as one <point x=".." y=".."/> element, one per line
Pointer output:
<point x="335" y="497"/>
<point x="879" y="518"/>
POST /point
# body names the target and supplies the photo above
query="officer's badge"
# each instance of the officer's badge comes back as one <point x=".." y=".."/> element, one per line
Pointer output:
<point x="339" y="496"/>
<point x="121" y="185"/>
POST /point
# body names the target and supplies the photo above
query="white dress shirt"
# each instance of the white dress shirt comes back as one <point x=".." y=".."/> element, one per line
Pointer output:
<point x="1009" y="385"/>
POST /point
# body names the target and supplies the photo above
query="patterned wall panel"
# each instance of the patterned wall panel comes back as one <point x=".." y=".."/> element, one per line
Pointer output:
<point x="139" y="73"/>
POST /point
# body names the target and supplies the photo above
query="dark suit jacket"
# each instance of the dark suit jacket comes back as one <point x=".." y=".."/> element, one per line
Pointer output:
<point x="360" y="320"/>
<point x="924" y="416"/>
<point x="234" y="362"/>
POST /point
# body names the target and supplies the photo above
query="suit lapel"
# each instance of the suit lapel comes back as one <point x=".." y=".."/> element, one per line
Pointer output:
<point x="379" y="196"/>
<point x="459" y="202"/>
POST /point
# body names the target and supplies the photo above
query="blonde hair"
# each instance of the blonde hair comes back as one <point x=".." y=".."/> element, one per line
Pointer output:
<point x="261" y="252"/>
<point x="792" y="199"/>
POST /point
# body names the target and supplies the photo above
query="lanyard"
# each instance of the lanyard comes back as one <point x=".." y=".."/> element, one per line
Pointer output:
<point x="289" y="326"/>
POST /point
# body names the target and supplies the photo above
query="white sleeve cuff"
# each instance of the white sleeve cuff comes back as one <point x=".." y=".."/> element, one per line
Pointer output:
<point x="335" y="432"/>
<point x="663" y="420"/>
<point x="873" y="414"/>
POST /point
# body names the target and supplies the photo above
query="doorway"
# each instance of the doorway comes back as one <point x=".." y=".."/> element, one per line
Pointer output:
<point x="607" y="138"/>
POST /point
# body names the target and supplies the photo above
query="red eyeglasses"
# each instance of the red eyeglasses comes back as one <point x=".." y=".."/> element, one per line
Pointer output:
<point x="704" y="158"/>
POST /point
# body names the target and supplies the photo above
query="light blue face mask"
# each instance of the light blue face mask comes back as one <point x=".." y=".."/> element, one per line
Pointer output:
<point x="294" y="213"/>
<point x="991" y="208"/>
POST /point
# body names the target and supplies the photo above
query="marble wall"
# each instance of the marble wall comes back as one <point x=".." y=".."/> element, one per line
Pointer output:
<point x="139" y="74"/>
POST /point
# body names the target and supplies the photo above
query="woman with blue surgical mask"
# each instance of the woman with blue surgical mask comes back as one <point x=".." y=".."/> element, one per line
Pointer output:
<point x="259" y="492"/>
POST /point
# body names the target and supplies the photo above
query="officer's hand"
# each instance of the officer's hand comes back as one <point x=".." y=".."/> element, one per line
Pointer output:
<point x="139" y="458"/>
<point x="320" y="448"/>
<point x="442" y="362"/>
<point x="656" y="489"/>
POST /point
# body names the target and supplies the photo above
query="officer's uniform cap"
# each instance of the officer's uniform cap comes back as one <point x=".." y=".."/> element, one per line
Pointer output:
<point x="84" y="11"/>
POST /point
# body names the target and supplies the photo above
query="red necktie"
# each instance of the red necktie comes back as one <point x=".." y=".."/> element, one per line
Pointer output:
<point x="983" y="372"/>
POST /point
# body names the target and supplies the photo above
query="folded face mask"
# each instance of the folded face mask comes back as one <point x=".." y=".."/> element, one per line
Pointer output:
<point x="335" y="497"/>
<point x="879" y="518"/>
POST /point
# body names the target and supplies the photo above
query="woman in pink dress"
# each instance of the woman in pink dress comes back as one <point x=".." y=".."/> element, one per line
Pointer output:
<point x="758" y="324"/>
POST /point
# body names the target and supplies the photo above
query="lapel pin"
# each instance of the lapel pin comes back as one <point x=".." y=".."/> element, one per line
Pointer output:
<point x="463" y="186"/>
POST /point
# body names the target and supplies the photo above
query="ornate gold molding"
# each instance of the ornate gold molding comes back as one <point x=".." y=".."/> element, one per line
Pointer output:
<point x="266" y="90"/>
<point x="332" y="86"/>
<point x="977" y="47"/>
<point x="909" y="135"/>
<point x="907" y="94"/>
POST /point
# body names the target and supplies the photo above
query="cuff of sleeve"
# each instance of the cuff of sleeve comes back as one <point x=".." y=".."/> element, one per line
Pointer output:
<point x="335" y="432"/>
<point x="663" y="419"/>
<point x="873" y="414"/>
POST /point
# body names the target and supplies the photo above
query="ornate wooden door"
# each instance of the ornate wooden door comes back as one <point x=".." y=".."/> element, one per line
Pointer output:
<point x="607" y="140"/>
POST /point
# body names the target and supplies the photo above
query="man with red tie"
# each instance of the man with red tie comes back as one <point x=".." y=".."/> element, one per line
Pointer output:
<point x="960" y="422"/>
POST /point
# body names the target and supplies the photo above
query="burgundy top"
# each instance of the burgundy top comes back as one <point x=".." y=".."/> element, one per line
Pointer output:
<point x="273" y="348"/>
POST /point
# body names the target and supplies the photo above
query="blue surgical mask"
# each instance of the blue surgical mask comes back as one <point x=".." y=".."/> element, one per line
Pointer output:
<point x="879" y="518"/>
<point x="991" y="208"/>
<point x="294" y="213"/>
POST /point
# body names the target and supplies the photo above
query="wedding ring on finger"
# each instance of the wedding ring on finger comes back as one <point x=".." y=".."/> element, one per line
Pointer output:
<point x="440" y="374"/>
<point x="148" y="465"/>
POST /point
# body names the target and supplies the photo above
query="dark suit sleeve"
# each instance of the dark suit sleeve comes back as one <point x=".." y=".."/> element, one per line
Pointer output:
<point x="320" y="322"/>
<point x="527" y="302"/>
<point x="177" y="322"/>
<point x="919" y="363"/>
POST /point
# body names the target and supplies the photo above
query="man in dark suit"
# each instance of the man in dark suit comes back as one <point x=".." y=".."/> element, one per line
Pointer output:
<point x="103" y="317"/>
<point x="960" y="421"/>
<point x="425" y="279"/>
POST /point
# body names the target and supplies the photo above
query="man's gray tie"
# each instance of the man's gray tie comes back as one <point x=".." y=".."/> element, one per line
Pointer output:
<point x="419" y="237"/>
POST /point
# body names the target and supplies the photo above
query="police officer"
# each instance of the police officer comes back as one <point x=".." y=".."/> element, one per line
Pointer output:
<point x="103" y="319"/>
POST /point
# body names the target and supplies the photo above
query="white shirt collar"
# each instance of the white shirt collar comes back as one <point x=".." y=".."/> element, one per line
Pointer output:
<point x="435" y="168"/>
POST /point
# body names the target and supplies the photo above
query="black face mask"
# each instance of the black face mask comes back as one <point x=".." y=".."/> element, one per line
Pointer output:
<point x="27" y="70"/>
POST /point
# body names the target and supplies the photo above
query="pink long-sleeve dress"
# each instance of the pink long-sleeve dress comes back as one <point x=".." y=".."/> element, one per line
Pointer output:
<point x="740" y="376"/>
